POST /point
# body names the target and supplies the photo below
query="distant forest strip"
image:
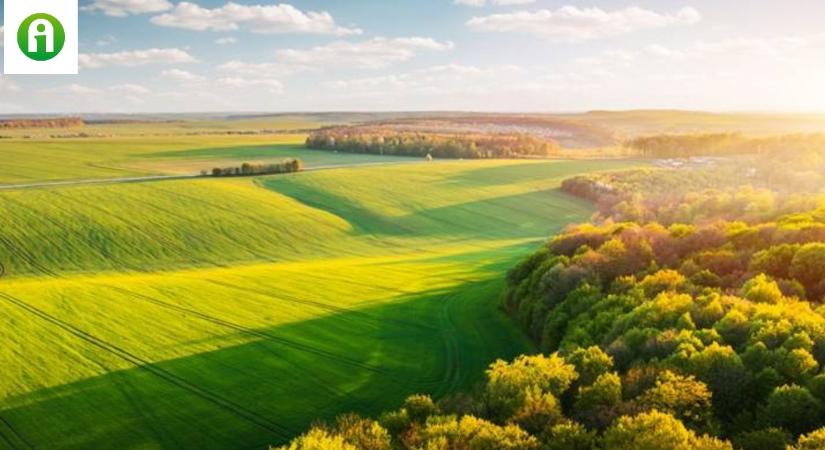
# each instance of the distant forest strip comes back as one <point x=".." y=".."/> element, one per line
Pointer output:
<point x="248" y="169"/>
<point x="722" y="144"/>
<point x="65" y="122"/>
<point x="376" y="140"/>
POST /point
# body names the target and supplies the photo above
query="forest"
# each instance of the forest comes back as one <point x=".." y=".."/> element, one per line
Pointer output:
<point x="679" y="318"/>
<point x="387" y="141"/>
<point x="721" y="144"/>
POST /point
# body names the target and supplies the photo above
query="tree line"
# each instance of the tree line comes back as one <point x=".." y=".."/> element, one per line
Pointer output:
<point x="387" y="141"/>
<point x="248" y="169"/>
<point x="725" y="287"/>
<point x="723" y="144"/>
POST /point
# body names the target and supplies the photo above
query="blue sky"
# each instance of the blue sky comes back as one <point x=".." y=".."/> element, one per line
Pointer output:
<point x="502" y="55"/>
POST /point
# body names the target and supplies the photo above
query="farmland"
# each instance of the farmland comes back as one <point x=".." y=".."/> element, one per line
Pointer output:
<point x="219" y="313"/>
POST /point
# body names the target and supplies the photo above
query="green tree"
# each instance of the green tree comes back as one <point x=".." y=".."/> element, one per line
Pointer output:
<point x="764" y="439"/>
<point x="595" y="403"/>
<point x="420" y="407"/>
<point x="655" y="430"/>
<point x="792" y="408"/>
<point x="448" y="432"/>
<point x="508" y="383"/>
<point x="808" y="267"/>
<point x="811" y="441"/>
<point x="683" y="397"/>
<point x="569" y="436"/>
<point x="590" y="362"/>
<point x="362" y="433"/>
<point x="538" y="411"/>
<point x="762" y="289"/>
<point x="319" y="439"/>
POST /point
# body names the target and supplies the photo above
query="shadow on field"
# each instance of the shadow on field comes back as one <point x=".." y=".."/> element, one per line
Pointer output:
<point x="519" y="172"/>
<point x="271" y="387"/>
<point x="512" y="216"/>
<point x="245" y="151"/>
<point x="273" y="151"/>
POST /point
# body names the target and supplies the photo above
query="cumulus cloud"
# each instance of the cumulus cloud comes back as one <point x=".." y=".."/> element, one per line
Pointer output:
<point x="135" y="58"/>
<point x="6" y="85"/>
<point x="272" y="86"/>
<point x="106" y="41"/>
<point x="255" y="69"/>
<point x="493" y="2"/>
<point x="268" y="19"/>
<point x="122" y="8"/>
<point x="229" y="40"/>
<point x="445" y="79"/>
<point x="181" y="76"/>
<point x="130" y="89"/>
<point x="756" y="49"/>
<point x="571" y="23"/>
<point x="375" y="53"/>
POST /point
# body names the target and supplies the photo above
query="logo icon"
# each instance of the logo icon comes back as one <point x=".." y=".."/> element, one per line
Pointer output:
<point x="41" y="37"/>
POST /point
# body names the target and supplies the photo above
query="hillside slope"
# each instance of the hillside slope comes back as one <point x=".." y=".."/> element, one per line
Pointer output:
<point x="228" y="313"/>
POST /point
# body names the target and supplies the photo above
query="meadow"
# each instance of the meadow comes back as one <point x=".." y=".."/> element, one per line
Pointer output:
<point x="218" y="313"/>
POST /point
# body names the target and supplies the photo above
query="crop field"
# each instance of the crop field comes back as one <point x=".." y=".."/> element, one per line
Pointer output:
<point x="27" y="161"/>
<point x="230" y="313"/>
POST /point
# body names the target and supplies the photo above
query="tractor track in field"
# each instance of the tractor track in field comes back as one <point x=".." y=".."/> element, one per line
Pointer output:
<point x="15" y="251"/>
<point x="4" y="423"/>
<point x="244" y="330"/>
<point x="331" y="308"/>
<point x="226" y="404"/>
<point x="192" y="198"/>
<point x="257" y="333"/>
<point x="452" y="349"/>
<point x="133" y="227"/>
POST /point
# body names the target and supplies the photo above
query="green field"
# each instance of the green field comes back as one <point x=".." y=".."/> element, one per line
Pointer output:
<point x="230" y="313"/>
<point x="28" y="161"/>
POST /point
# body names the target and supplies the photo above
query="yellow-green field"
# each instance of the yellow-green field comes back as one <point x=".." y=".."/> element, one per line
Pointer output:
<point x="230" y="313"/>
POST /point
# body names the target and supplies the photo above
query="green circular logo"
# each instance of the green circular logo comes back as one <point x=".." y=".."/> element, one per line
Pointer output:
<point x="41" y="37"/>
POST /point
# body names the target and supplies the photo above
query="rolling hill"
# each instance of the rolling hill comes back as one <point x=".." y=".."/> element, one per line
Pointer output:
<point x="228" y="312"/>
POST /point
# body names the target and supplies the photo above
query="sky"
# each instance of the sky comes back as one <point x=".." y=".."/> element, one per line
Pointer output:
<point x="157" y="56"/>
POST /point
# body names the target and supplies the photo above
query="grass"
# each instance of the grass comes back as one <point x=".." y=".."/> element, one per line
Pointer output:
<point x="230" y="313"/>
<point x="26" y="161"/>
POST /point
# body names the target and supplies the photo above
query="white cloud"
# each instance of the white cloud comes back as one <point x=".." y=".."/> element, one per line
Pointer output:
<point x="256" y="69"/>
<point x="375" y="53"/>
<point x="493" y="2"/>
<point x="130" y="89"/>
<point x="77" y="89"/>
<point x="229" y="40"/>
<point x="446" y="79"/>
<point x="6" y="85"/>
<point x="106" y="41"/>
<point x="272" y="86"/>
<point x="1" y="36"/>
<point x="181" y="76"/>
<point x="135" y="58"/>
<point x="268" y="19"/>
<point x="122" y="8"/>
<point x="724" y="51"/>
<point x="571" y="23"/>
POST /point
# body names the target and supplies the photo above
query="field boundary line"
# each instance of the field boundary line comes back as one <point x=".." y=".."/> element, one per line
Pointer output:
<point x="228" y="405"/>
<point x="16" y="434"/>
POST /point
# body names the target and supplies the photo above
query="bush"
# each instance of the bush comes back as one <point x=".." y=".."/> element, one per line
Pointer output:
<point x="247" y="169"/>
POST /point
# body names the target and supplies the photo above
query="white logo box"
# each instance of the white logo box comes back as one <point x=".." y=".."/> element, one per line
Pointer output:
<point x="17" y="63"/>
